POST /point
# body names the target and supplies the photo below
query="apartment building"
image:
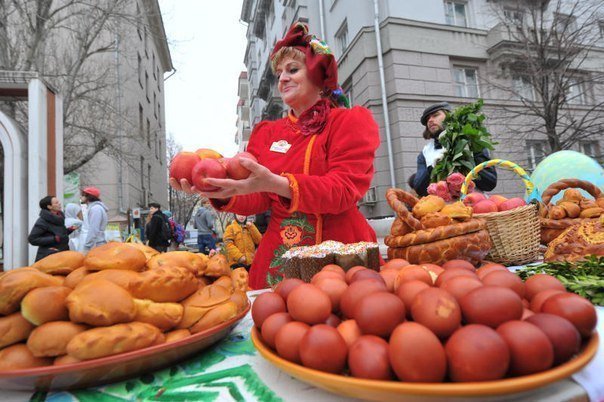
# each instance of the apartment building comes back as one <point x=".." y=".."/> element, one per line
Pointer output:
<point x="431" y="51"/>
<point x="243" y="132"/>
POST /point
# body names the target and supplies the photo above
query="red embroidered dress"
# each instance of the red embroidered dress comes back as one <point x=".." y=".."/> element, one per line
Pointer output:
<point x="327" y="156"/>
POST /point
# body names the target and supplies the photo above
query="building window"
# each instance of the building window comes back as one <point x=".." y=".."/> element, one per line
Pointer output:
<point x="537" y="151"/>
<point x="149" y="176"/>
<point x="147" y="86"/>
<point x="513" y="16"/>
<point x="148" y="133"/>
<point x="157" y="71"/>
<point x="138" y="21"/>
<point x="159" y="114"/>
<point x="145" y="42"/>
<point x="154" y="76"/>
<point x="575" y="92"/>
<point x="590" y="148"/>
<point x="347" y="88"/>
<point x="523" y="89"/>
<point x="564" y="23"/>
<point x="601" y="24"/>
<point x="465" y="82"/>
<point x="140" y="70"/>
<point x="140" y="120"/>
<point x="155" y="104"/>
<point x="156" y="146"/>
<point x="342" y="37"/>
<point x="161" y="162"/>
<point x="142" y="171"/>
<point x="456" y="13"/>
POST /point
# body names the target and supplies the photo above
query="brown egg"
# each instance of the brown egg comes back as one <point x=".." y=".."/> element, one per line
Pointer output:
<point x="363" y="274"/>
<point x="356" y="292"/>
<point x="530" y="349"/>
<point x="491" y="306"/>
<point x="488" y="268"/>
<point x="576" y="309"/>
<point x="477" y="353"/>
<point x="389" y="276"/>
<point x="437" y="310"/>
<point x="353" y="271"/>
<point x="396" y="263"/>
<point x="379" y="313"/>
<point x="412" y="273"/>
<point x="334" y="288"/>
<point x="265" y="305"/>
<point x="416" y="354"/>
<point x="350" y="331"/>
<point x="506" y="280"/>
<point x="459" y="264"/>
<point x="272" y="325"/>
<point x="287" y="340"/>
<point x="540" y="298"/>
<point x="540" y="282"/>
<point x="325" y="275"/>
<point x="323" y="348"/>
<point x="460" y="286"/>
<point x="434" y="269"/>
<point x="334" y="268"/>
<point x="333" y="321"/>
<point x="284" y="287"/>
<point x="309" y="304"/>
<point x="453" y="273"/>
<point x="563" y="335"/>
<point x="407" y="292"/>
<point x="368" y="358"/>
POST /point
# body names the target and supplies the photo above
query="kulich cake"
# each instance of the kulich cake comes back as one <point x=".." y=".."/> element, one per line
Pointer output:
<point x="363" y="253"/>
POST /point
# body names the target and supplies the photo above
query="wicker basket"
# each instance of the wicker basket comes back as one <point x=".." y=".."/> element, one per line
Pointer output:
<point x="552" y="228"/>
<point x="515" y="234"/>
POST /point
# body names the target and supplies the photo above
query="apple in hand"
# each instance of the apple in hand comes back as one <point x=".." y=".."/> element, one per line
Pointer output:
<point x="473" y="198"/>
<point x="511" y="204"/>
<point x="207" y="153"/>
<point x="234" y="168"/>
<point x="484" y="207"/>
<point x="205" y="168"/>
<point x="182" y="164"/>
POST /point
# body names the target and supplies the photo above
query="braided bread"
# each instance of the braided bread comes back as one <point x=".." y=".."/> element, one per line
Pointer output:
<point x="577" y="241"/>
<point x="398" y="201"/>
<point x="435" y="234"/>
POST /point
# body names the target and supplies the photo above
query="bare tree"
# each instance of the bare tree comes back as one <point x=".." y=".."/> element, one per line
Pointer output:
<point x="549" y="49"/>
<point x="181" y="203"/>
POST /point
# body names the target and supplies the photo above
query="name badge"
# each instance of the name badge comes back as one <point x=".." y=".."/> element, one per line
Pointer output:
<point x="281" y="146"/>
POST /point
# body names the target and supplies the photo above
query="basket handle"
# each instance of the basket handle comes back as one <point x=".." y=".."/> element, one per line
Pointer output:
<point x="563" y="184"/>
<point x="531" y="192"/>
<point x="398" y="200"/>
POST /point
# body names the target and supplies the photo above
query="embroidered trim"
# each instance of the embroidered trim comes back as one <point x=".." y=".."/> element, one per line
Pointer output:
<point x="319" y="232"/>
<point x="308" y="154"/>
<point x="293" y="185"/>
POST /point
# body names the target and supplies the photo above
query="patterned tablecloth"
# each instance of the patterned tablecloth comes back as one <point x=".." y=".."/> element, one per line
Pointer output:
<point x="232" y="370"/>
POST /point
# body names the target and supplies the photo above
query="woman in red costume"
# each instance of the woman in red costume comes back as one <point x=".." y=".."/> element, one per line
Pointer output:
<point x="313" y="165"/>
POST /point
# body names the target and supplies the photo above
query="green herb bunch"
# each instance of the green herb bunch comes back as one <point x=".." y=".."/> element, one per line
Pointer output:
<point x="585" y="278"/>
<point x="465" y="135"/>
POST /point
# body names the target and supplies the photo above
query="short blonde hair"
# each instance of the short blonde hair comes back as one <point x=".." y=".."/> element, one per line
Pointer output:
<point x="284" y="52"/>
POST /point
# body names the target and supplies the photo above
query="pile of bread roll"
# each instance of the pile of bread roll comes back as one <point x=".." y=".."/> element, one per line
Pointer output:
<point x="121" y="297"/>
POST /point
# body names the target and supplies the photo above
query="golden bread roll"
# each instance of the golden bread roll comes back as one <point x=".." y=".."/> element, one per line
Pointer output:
<point x="591" y="212"/>
<point x="240" y="299"/>
<point x="457" y="210"/>
<point x="217" y="315"/>
<point x="556" y="212"/>
<point x="115" y="256"/>
<point x="100" y="303"/>
<point x="196" y="263"/>
<point x="177" y="335"/>
<point x="572" y="195"/>
<point x="164" y="284"/>
<point x="65" y="359"/>
<point x="572" y="209"/>
<point x="121" y="277"/>
<point x="164" y="316"/>
<point x="435" y="219"/>
<point x="61" y="263"/>
<point x="46" y="304"/>
<point x="73" y="279"/>
<point x="148" y="251"/>
<point x="14" y="328"/>
<point x="107" y="341"/>
<point x="51" y="339"/>
<point x="15" y="284"/>
<point x="18" y="356"/>
<point x="224" y="281"/>
<point x="241" y="279"/>
<point x="217" y="266"/>
<point x="200" y="302"/>
<point x="427" y="204"/>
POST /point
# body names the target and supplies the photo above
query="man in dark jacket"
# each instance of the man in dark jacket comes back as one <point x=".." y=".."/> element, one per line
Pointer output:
<point x="49" y="232"/>
<point x="158" y="228"/>
<point x="433" y="118"/>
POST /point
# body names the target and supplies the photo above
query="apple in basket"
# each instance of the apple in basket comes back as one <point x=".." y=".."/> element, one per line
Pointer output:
<point x="473" y="199"/>
<point x="205" y="168"/>
<point x="484" y="207"/>
<point x="511" y="204"/>
<point x="497" y="199"/>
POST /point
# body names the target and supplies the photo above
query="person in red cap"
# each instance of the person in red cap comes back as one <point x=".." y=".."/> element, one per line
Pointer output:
<point x="96" y="218"/>
<point x="313" y="165"/>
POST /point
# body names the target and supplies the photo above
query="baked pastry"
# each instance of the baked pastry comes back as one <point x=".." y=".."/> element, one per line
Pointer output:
<point x="121" y="277"/>
<point x="240" y="279"/>
<point x="18" y="357"/>
<point x="164" y="316"/>
<point x="164" y="284"/>
<point x="399" y="227"/>
<point x="194" y="262"/>
<point x="14" y="328"/>
<point x="15" y="284"/>
<point x="115" y="255"/>
<point x="457" y="210"/>
<point x="225" y="281"/>
<point x="202" y="301"/>
<point x="577" y="242"/>
<point x="72" y="280"/>
<point x="61" y="263"/>
<point x="107" y="341"/>
<point x="427" y="204"/>
<point x="427" y="236"/>
<point x="65" y="359"/>
<point x="217" y="266"/>
<point x="592" y="212"/>
<point x="148" y="251"/>
<point x="219" y="314"/>
<point x="46" y="304"/>
<point x="572" y="195"/>
<point x="100" y="303"/>
<point x="435" y="219"/>
<point x="240" y="299"/>
<point x="51" y="339"/>
<point x="572" y="210"/>
<point x="557" y="212"/>
<point x="177" y="335"/>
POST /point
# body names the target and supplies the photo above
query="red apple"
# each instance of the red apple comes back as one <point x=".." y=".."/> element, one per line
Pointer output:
<point x="511" y="204"/>
<point x="205" y="168"/>
<point x="497" y="199"/>
<point x="484" y="207"/>
<point x="207" y="153"/>
<point x="473" y="198"/>
<point x="182" y="164"/>
<point x="234" y="168"/>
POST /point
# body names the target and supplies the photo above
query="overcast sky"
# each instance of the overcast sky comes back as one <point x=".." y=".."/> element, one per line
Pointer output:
<point x="207" y="45"/>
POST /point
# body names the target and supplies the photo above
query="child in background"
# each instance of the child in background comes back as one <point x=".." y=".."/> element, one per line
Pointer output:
<point x="240" y="239"/>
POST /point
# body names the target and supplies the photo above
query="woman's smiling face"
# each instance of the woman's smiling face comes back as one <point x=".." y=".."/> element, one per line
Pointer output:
<point x="295" y="87"/>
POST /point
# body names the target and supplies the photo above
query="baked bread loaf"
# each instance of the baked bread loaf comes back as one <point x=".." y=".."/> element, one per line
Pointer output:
<point x="240" y="299"/>
<point x="219" y="314"/>
<point x="61" y="263"/>
<point x="427" y="236"/>
<point x="164" y="316"/>
<point x="240" y="279"/>
<point x="121" y="277"/>
<point x="18" y="357"/>
<point x="177" y="335"/>
<point x="46" y="304"/>
<point x="73" y="279"/>
<point x="577" y="242"/>
<point x="100" y="342"/>
<point x="225" y="281"/>
<point x="399" y="227"/>
<point x="15" y="284"/>
<point x="100" y="303"/>
<point x="217" y="266"/>
<point x="457" y="210"/>
<point x="164" y="284"/>
<point x="148" y="251"/>
<point x="14" y="328"/>
<point x="435" y="219"/>
<point x="65" y="359"/>
<point x="51" y="339"/>
<point x="115" y="255"/>
<point x="427" y="204"/>
<point x="202" y="301"/>
<point x="196" y="263"/>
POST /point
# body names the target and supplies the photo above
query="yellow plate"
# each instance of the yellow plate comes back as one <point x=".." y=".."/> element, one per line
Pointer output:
<point x="393" y="390"/>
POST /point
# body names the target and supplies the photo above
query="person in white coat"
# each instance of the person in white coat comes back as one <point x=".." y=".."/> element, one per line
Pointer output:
<point x="73" y="218"/>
